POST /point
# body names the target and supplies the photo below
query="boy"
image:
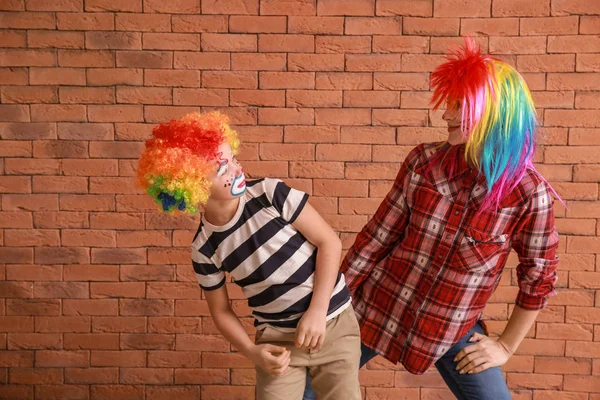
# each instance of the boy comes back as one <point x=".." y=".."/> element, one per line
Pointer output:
<point x="275" y="246"/>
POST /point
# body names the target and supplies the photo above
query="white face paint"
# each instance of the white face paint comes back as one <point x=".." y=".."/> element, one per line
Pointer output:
<point x="228" y="180"/>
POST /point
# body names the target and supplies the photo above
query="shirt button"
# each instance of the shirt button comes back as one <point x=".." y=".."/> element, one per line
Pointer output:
<point x="456" y="213"/>
<point x="440" y="256"/>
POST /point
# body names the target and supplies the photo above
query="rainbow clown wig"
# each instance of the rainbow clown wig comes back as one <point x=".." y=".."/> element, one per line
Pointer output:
<point x="498" y="116"/>
<point x="175" y="166"/>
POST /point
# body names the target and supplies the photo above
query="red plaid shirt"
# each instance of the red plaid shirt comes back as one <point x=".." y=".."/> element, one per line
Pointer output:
<point x="423" y="268"/>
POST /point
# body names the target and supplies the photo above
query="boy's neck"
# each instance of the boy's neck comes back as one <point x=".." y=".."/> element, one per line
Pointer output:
<point x="220" y="212"/>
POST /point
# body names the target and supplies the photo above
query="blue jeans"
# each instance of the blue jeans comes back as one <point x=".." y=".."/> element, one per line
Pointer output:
<point x="486" y="385"/>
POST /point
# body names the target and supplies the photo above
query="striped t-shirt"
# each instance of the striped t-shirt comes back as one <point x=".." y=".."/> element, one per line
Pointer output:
<point x="267" y="257"/>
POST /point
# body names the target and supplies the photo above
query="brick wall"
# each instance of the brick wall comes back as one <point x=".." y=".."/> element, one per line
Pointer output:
<point x="97" y="296"/>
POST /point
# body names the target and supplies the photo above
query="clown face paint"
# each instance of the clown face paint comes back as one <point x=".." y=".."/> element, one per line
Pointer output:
<point x="228" y="180"/>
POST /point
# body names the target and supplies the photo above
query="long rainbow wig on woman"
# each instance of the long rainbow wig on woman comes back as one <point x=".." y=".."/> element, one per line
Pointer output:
<point x="498" y="116"/>
<point x="175" y="166"/>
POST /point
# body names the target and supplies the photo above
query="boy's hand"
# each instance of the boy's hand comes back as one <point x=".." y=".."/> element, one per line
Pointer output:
<point x="310" y="333"/>
<point x="273" y="359"/>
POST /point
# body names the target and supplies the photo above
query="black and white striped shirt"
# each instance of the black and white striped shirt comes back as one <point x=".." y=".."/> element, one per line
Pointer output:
<point x="267" y="257"/>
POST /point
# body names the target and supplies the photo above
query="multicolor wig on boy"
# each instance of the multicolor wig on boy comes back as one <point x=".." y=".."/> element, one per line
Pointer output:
<point x="498" y="117"/>
<point x="175" y="166"/>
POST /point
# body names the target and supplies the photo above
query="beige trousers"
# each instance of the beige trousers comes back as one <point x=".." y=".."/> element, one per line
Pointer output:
<point x="333" y="369"/>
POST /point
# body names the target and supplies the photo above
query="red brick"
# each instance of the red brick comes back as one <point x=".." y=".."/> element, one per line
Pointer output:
<point x="286" y="116"/>
<point x="49" y="39"/>
<point x="14" y="76"/>
<point x="60" y="219"/>
<point x="91" y="341"/>
<point x="62" y="324"/>
<point x="85" y="21"/>
<point x="563" y="365"/>
<point x="275" y="7"/>
<point x="491" y="26"/>
<point x="34" y="341"/>
<point x="15" y="113"/>
<point x="32" y="237"/>
<point x="61" y="5"/>
<point x="315" y="25"/>
<point x="577" y="191"/>
<point x="311" y="134"/>
<point x="12" y="5"/>
<point x="154" y="376"/>
<point x="90" y="307"/>
<point x="574" y="43"/>
<point x="315" y="62"/>
<point x="205" y="61"/>
<point x="115" y="113"/>
<point x="230" y="79"/>
<point x="404" y="7"/>
<point x="88" y="95"/>
<point x="199" y="23"/>
<point x="163" y="221"/>
<point x="113" y="40"/>
<point x="172" y="78"/>
<point x="229" y="42"/>
<point x="30" y="167"/>
<point x="572" y="118"/>
<point x="146" y="307"/>
<point x="29" y="94"/>
<point x="588" y="62"/>
<point x="444" y="45"/>
<point x="263" y="24"/>
<point x="15" y="358"/>
<point x="118" y="256"/>
<point x="546" y="63"/>
<point x="317" y="170"/>
<point x="287" y="80"/>
<point x="143" y="22"/>
<point x="114" y="76"/>
<point x="549" y="26"/>
<point x="145" y="59"/>
<point x="373" y="26"/>
<point x="17" y="289"/>
<point x="343" y="152"/>
<point x="582" y="383"/>
<point x="171" y="41"/>
<point x="290" y="43"/>
<point x="117" y="392"/>
<point x="400" y="81"/>
<point x="566" y="7"/>
<point x="345" y="116"/>
<point x="521" y="8"/>
<point x="113" y="5"/>
<point x="261" y="98"/>
<point x="368" y="135"/>
<point x="16" y="323"/>
<point x="230" y="7"/>
<point x="124" y="324"/>
<point x="28" y="20"/>
<point x="534" y="381"/>
<point x="174" y="325"/>
<point x="587" y="100"/>
<point x="343" y="44"/>
<point x="577" y="81"/>
<point x="313" y="98"/>
<point x="432" y="26"/>
<point x="34" y="272"/>
<point x="118" y="358"/>
<point x="391" y="393"/>
<point x="164" y="392"/>
<point x="376" y="62"/>
<point x="36" y="376"/>
<point x="588" y="25"/>
<point x="59" y="184"/>
<point x="340" y="188"/>
<point x="14" y="39"/>
<point x="179" y="6"/>
<point x="575" y="227"/>
<point x="91" y="375"/>
<point x="168" y="256"/>
<point x="33" y="307"/>
<point x="147" y="341"/>
<point x="15" y="219"/>
<point x="541" y="347"/>
<point x="225" y="360"/>
<point x="340" y="7"/>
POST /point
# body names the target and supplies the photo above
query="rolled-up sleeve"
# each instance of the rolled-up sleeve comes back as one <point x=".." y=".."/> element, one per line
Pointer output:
<point x="535" y="242"/>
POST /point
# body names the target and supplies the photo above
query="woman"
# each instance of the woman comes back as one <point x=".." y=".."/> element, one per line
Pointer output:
<point x="423" y="268"/>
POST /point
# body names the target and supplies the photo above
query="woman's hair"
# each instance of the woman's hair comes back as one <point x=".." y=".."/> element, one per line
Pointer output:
<point x="175" y="166"/>
<point x="498" y="117"/>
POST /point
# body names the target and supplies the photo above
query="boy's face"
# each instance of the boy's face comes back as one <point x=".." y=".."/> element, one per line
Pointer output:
<point x="228" y="180"/>
<point x="452" y="116"/>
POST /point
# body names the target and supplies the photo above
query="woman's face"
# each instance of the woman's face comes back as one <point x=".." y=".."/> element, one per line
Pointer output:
<point x="228" y="180"/>
<point x="452" y="116"/>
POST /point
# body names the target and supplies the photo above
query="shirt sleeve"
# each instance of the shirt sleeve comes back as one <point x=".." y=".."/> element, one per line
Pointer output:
<point x="209" y="276"/>
<point x="535" y="242"/>
<point x="381" y="233"/>
<point x="287" y="201"/>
